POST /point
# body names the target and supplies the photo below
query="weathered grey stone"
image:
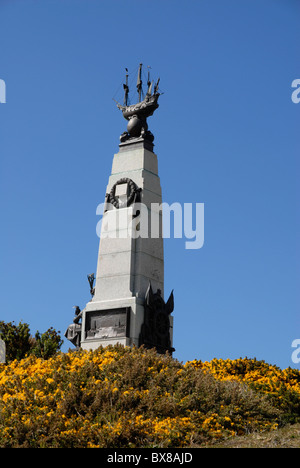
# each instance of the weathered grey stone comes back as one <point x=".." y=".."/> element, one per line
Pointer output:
<point x="136" y="319"/>
<point x="128" y="257"/>
<point x="2" y="352"/>
<point x="134" y="159"/>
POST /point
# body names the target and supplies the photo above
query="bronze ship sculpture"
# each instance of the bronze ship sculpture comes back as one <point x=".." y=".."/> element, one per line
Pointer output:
<point x="137" y="114"/>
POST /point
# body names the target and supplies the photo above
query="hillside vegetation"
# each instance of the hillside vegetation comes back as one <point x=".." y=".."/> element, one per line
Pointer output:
<point x="131" y="397"/>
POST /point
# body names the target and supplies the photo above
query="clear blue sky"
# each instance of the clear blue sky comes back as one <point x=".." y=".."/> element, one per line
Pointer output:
<point x="226" y="135"/>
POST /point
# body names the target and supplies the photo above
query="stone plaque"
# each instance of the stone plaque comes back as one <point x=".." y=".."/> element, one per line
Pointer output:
<point x="2" y="352"/>
<point x="106" y="324"/>
<point x="121" y="189"/>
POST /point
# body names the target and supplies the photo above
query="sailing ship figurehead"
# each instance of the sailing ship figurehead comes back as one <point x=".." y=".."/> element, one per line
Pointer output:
<point x="137" y="114"/>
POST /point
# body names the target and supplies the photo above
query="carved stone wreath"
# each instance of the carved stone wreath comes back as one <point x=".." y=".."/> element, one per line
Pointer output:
<point x="133" y="190"/>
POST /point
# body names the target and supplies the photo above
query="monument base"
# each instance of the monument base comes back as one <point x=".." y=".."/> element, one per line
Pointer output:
<point x="110" y="322"/>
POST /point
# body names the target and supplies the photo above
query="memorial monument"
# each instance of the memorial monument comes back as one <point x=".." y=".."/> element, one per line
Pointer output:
<point x="127" y="304"/>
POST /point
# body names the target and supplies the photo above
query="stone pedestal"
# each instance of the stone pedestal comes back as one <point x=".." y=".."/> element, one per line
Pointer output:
<point x="129" y="258"/>
<point x="2" y="352"/>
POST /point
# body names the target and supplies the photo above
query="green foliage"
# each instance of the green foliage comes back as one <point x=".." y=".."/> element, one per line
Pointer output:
<point x="19" y="343"/>
<point x="17" y="339"/>
<point x="46" y="344"/>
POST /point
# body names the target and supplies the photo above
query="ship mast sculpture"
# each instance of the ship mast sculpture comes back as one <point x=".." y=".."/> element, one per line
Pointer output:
<point x="137" y="114"/>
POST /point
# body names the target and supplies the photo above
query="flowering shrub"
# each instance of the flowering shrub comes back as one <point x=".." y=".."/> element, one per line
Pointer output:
<point x="131" y="397"/>
<point x="281" y="386"/>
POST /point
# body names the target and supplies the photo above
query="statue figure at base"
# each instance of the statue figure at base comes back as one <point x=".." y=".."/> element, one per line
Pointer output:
<point x="73" y="332"/>
<point x="91" y="280"/>
<point x="155" y="331"/>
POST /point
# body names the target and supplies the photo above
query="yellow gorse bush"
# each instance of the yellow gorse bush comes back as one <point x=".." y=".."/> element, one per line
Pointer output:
<point x="258" y="375"/>
<point x="131" y="397"/>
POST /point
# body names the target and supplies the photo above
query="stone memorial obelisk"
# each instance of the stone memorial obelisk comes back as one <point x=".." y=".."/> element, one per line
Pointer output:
<point x="128" y="305"/>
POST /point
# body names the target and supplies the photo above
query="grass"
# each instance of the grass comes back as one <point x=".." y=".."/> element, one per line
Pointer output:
<point x="286" y="437"/>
